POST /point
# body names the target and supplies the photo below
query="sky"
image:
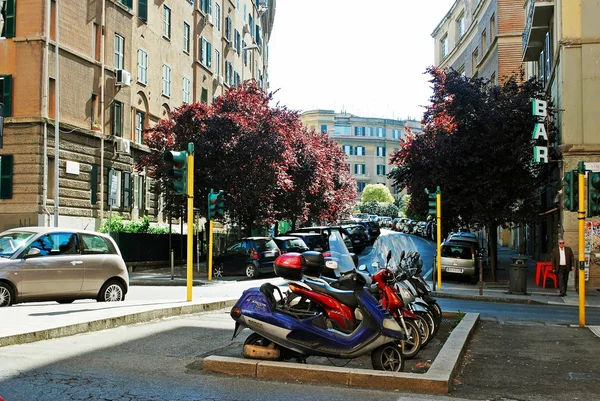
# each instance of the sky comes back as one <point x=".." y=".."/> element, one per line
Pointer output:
<point x="365" y="57"/>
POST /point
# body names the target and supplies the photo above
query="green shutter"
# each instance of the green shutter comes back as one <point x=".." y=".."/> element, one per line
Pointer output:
<point x="9" y="19"/>
<point x="6" y="176"/>
<point x="7" y="94"/>
<point x="143" y="10"/>
<point x="126" y="189"/>
<point x="94" y="184"/>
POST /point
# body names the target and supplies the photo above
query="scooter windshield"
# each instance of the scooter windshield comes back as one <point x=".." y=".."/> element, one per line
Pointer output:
<point x="339" y="252"/>
<point x="394" y="243"/>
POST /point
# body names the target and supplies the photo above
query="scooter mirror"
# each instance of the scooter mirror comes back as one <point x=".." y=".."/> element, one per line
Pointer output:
<point x="331" y="264"/>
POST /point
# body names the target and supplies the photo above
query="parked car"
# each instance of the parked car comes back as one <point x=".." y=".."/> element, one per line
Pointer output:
<point x="400" y="226"/>
<point x="395" y="222"/>
<point x="250" y="256"/>
<point x="325" y="232"/>
<point x="372" y="229"/>
<point x="359" y="236"/>
<point x="385" y="222"/>
<point x="314" y="241"/>
<point x="420" y="228"/>
<point x="409" y="226"/>
<point x="465" y="238"/>
<point x="289" y="243"/>
<point x="459" y="259"/>
<point x="57" y="264"/>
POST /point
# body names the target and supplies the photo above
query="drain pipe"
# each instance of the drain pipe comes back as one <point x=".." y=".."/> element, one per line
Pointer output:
<point x="46" y="78"/>
<point x="102" y="122"/>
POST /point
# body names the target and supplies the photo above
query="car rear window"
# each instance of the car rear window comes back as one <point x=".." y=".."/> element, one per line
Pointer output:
<point x="296" y="242"/>
<point x="457" y="251"/>
<point x="95" y="244"/>
<point x="265" y="245"/>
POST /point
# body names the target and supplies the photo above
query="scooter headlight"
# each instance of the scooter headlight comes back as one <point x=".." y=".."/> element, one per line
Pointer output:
<point x="391" y="324"/>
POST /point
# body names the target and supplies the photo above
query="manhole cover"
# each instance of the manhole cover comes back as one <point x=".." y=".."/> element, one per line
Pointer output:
<point x="584" y="376"/>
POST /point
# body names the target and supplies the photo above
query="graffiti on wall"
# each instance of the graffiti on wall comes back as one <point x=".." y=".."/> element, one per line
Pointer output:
<point x="592" y="246"/>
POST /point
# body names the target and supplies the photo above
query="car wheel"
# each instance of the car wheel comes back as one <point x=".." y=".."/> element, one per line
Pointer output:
<point x="251" y="271"/>
<point x="112" y="291"/>
<point x="7" y="297"/>
<point x="218" y="270"/>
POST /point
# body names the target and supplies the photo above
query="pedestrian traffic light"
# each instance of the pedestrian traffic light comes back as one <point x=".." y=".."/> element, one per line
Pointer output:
<point x="571" y="190"/>
<point x="178" y="171"/>
<point x="432" y="204"/>
<point x="593" y="195"/>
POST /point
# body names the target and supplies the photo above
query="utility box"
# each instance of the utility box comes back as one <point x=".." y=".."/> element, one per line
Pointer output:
<point x="518" y="275"/>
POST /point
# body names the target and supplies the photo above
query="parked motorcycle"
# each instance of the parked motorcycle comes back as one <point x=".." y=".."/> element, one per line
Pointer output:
<point x="340" y="319"/>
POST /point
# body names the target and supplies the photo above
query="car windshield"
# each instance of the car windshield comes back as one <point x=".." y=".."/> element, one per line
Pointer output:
<point x="13" y="241"/>
<point x="339" y="252"/>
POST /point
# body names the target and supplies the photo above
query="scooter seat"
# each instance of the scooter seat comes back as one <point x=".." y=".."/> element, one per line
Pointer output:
<point x="344" y="296"/>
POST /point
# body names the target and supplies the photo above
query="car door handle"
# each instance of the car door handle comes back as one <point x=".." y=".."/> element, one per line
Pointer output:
<point x="77" y="262"/>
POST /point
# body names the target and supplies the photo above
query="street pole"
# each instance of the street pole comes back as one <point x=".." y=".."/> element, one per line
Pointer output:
<point x="190" y="220"/>
<point x="581" y="259"/>
<point x="210" y="249"/>
<point x="438" y="217"/>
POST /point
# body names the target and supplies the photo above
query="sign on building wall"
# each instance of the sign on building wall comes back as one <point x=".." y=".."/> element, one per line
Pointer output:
<point x="539" y="135"/>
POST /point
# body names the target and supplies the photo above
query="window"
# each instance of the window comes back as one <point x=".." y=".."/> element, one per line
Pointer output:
<point x="139" y="191"/>
<point x="218" y="16"/>
<point x="166" y="80"/>
<point x="237" y="42"/>
<point x="492" y="27"/>
<point x="142" y="66"/>
<point x="143" y="10"/>
<point x="166" y="22"/>
<point x="251" y="23"/>
<point x="117" y="118"/>
<point x="56" y="244"/>
<point x="148" y="193"/>
<point x="7" y="9"/>
<point x="204" y="96"/>
<point x="460" y="26"/>
<point x="380" y="169"/>
<point x="114" y="187"/>
<point x="483" y="42"/>
<point x="236" y="78"/>
<point x="381" y="132"/>
<point x="186" y="90"/>
<point x="228" y="73"/>
<point x="360" y="169"/>
<point x="6" y="94"/>
<point x="205" y="52"/>
<point x="139" y="126"/>
<point x="461" y="70"/>
<point x="371" y="131"/>
<point x="244" y="54"/>
<point x="96" y="42"/>
<point x="94" y="184"/>
<point x="342" y="130"/>
<point x="360" y="186"/>
<point x="360" y="151"/>
<point x="126" y="192"/>
<point x="324" y="128"/>
<point x="348" y="150"/>
<point x="119" y="49"/>
<point x="186" y="37"/>
<point x="360" y="131"/>
<point x="444" y="46"/>
<point x="50" y="178"/>
<point x="396" y="134"/>
<point x="380" y="151"/>
<point x="245" y="13"/>
<point x="127" y="3"/>
<point x="228" y="29"/>
<point x="217" y="62"/>
<point x="94" y="244"/>
<point x="206" y="6"/>
<point x="6" y="176"/>
<point x="547" y="57"/>
<point x="475" y="59"/>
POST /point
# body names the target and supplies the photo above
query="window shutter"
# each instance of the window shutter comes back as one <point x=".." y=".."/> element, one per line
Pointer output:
<point x="94" y="184"/>
<point x="148" y="193"/>
<point x="126" y="192"/>
<point x="6" y="176"/>
<point x="208" y="54"/>
<point x="9" y="19"/>
<point x="7" y="94"/>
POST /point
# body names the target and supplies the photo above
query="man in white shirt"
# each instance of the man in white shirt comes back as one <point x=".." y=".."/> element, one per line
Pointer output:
<point x="562" y="263"/>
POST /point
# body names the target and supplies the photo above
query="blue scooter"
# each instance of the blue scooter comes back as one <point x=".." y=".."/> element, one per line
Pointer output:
<point x="339" y="319"/>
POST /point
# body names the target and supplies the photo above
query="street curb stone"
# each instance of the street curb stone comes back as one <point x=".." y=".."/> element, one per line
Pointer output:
<point x="436" y="380"/>
<point x="485" y="298"/>
<point x="112" y="322"/>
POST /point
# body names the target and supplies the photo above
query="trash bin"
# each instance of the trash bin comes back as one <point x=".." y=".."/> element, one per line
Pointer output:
<point x="518" y="275"/>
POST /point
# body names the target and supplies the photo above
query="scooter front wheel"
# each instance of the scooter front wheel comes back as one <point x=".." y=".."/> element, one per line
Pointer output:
<point x="388" y="357"/>
<point x="412" y="341"/>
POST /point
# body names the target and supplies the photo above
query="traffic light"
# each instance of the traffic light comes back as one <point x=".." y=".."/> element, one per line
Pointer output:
<point x="571" y="188"/>
<point x="432" y="204"/>
<point x="178" y="171"/>
<point x="593" y="195"/>
<point x="216" y="204"/>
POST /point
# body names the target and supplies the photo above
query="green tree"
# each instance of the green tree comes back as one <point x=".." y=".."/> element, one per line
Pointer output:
<point x="388" y="209"/>
<point x="377" y="192"/>
<point x="370" y="207"/>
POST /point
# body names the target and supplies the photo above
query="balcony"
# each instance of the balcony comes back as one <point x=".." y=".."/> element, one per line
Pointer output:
<point x="539" y="13"/>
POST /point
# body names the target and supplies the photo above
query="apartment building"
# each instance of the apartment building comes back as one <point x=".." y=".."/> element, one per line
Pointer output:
<point x="122" y="65"/>
<point x="367" y="142"/>
<point x="560" y="45"/>
<point x="481" y="38"/>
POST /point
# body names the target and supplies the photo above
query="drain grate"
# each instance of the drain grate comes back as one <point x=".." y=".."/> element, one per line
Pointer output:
<point x="584" y="376"/>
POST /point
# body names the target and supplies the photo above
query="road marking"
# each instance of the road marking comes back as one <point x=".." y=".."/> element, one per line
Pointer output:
<point x="595" y="330"/>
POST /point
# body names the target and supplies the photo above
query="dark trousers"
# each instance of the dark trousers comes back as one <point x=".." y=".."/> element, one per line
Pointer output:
<point x="563" y="277"/>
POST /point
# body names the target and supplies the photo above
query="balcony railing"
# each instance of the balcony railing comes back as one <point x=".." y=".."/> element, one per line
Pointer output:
<point x="539" y="14"/>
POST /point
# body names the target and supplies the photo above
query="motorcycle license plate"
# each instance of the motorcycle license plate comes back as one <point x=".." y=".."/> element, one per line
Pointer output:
<point x="454" y="270"/>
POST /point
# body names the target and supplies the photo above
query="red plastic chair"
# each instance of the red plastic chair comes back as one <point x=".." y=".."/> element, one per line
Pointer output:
<point x="548" y="273"/>
<point x="539" y="270"/>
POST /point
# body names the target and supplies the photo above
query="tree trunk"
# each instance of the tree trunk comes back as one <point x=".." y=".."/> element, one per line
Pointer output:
<point x="294" y="220"/>
<point x="493" y="249"/>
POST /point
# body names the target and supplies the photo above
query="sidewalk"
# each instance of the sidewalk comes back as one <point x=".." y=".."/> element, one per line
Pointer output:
<point x="498" y="291"/>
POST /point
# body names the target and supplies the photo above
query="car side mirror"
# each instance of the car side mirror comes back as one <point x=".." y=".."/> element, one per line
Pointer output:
<point x="32" y="253"/>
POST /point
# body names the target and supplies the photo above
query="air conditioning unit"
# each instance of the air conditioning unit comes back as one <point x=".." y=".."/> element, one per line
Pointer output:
<point x="246" y="28"/>
<point x="123" y="78"/>
<point x="209" y="19"/>
<point x="123" y="146"/>
<point x="221" y="80"/>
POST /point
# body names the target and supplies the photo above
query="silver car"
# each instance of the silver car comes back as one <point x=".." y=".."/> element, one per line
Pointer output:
<point x="458" y="259"/>
<point x="56" y="264"/>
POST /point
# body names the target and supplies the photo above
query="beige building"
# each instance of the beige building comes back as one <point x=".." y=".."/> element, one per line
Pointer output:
<point x="561" y="45"/>
<point x="122" y="66"/>
<point x="367" y="142"/>
<point x="481" y="38"/>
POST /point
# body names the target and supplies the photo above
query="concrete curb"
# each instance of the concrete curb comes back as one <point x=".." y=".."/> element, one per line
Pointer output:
<point x="485" y="298"/>
<point x="437" y="379"/>
<point x="164" y="283"/>
<point x="112" y="322"/>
